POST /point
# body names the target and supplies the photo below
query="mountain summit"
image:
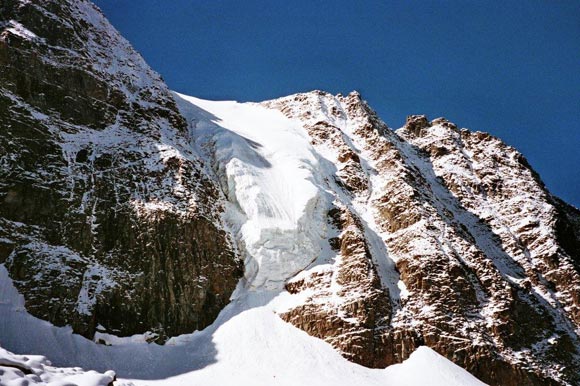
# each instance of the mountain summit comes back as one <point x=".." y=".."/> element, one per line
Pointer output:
<point x="299" y="240"/>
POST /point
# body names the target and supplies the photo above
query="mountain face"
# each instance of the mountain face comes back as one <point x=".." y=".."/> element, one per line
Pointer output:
<point x="128" y="209"/>
<point x="485" y="258"/>
<point x="107" y="218"/>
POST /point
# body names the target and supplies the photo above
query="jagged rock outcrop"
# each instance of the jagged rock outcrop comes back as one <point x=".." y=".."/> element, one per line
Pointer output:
<point x="350" y="308"/>
<point x="107" y="216"/>
<point x="486" y="258"/>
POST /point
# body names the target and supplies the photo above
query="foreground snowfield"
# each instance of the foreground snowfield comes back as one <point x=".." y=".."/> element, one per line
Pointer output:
<point x="276" y="187"/>
<point x="24" y="370"/>
<point x="248" y="345"/>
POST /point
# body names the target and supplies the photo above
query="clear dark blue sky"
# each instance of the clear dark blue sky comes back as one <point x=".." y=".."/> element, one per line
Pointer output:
<point x="511" y="68"/>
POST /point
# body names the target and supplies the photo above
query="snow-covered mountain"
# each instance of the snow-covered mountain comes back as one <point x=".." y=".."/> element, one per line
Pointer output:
<point x="296" y="241"/>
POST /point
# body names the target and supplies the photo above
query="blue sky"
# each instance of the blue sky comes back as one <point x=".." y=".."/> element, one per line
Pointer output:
<point x="511" y="68"/>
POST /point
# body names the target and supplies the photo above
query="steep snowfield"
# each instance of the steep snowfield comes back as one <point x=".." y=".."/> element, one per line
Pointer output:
<point x="278" y="191"/>
<point x="271" y="176"/>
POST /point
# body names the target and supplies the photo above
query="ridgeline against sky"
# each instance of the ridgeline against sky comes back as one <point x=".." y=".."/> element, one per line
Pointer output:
<point x="510" y="69"/>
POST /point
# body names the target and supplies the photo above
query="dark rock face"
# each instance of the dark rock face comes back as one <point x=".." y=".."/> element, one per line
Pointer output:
<point x="106" y="214"/>
<point x="485" y="257"/>
<point x="416" y="123"/>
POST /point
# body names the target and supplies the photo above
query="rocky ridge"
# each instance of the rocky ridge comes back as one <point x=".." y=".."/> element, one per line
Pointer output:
<point x="482" y="271"/>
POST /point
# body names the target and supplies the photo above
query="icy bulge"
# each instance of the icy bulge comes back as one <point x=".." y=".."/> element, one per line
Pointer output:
<point x="267" y="168"/>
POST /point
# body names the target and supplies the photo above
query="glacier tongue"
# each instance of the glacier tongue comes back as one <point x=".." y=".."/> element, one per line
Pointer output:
<point x="271" y="175"/>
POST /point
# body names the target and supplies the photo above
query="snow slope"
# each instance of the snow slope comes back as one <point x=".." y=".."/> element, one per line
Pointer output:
<point x="248" y="343"/>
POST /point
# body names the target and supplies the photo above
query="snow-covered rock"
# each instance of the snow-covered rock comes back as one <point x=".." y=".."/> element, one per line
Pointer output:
<point x="24" y="370"/>
<point x="106" y="214"/>
<point x="477" y="259"/>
